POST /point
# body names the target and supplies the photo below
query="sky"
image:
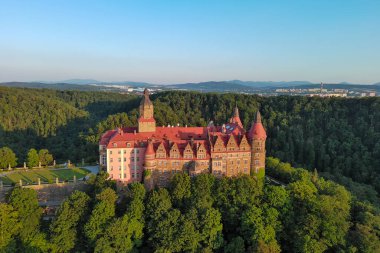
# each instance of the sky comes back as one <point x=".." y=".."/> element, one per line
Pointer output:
<point x="190" y="40"/>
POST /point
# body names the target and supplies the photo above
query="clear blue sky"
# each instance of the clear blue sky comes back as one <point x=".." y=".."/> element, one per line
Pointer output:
<point x="190" y="41"/>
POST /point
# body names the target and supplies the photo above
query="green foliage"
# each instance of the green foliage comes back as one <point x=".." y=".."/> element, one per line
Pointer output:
<point x="337" y="136"/>
<point x="236" y="245"/>
<point x="44" y="157"/>
<point x="32" y="158"/>
<point x="9" y="226"/>
<point x="7" y="158"/>
<point x="101" y="182"/>
<point x="180" y="189"/>
<point x="25" y="202"/>
<point x="101" y="215"/>
<point x="200" y="214"/>
<point x="70" y="216"/>
<point x="122" y="235"/>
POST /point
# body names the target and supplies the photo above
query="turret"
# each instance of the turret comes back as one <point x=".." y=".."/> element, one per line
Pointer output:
<point x="150" y="162"/>
<point x="146" y="121"/>
<point x="149" y="165"/>
<point x="236" y="118"/>
<point x="257" y="137"/>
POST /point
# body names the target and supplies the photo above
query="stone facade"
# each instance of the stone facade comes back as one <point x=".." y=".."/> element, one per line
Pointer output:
<point x="160" y="152"/>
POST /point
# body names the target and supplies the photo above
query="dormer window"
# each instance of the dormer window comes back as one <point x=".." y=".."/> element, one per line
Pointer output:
<point x="114" y="144"/>
<point x="128" y="145"/>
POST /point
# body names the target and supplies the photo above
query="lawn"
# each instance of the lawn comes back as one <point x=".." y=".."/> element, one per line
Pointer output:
<point x="46" y="175"/>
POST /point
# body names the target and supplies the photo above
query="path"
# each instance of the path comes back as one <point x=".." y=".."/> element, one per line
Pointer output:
<point x="94" y="169"/>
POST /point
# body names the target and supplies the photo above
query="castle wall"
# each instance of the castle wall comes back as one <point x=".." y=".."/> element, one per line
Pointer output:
<point x="125" y="164"/>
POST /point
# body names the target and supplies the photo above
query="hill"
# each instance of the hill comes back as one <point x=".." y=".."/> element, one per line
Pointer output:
<point x="336" y="136"/>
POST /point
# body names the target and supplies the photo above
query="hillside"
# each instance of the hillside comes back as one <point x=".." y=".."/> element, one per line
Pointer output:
<point x="336" y="136"/>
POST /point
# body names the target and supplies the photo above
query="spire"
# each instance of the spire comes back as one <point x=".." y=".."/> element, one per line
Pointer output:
<point x="257" y="129"/>
<point x="258" y="117"/>
<point x="146" y="100"/>
<point x="235" y="117"/>
<point x="236" y="111"/>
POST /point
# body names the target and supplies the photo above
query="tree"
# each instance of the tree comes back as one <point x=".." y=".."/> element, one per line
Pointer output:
<point x="44" y="157"/>
<point x="101" y="215"/>
<point x="122" y="235"/>
<point x="180" y="189"/>
<point x="25" y="202"/>
<point x="135" y="201"/>
<point x="32" y="158"/>
<point x="236" y="245"/>
<point x="9" y="225"/>
<point x="70" y="216"/>
<point x="101" y="182"/>
<point x="210" y="228"/>
<point x="7" y="158"/>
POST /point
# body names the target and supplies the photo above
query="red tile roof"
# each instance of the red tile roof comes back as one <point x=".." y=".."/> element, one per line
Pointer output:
<point x="257" y="131"/>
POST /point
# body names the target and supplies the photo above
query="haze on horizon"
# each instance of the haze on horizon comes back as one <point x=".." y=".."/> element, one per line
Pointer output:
<point x="190" y="41"/>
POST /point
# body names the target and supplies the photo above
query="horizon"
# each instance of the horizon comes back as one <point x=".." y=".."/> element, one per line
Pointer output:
<point x="71" y="81"/>
<point x="190" y="42"/>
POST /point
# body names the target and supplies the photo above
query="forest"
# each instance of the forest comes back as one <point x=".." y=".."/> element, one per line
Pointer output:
<point x="199" y="214"/>
<point x="336" y="136"/>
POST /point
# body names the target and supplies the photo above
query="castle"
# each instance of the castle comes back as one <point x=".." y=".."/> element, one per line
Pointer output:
<point x="129" y="153"/>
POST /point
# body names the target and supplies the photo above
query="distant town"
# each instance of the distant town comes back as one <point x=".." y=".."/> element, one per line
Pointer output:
<point x="294" y="88"/>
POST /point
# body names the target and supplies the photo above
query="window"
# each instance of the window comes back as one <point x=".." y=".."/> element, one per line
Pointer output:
<point x="125" y="159"/>
<point x="110" y="152"/>
<point x="119" y="159"/>
<point x="119" y="167"/>
<point x="138" y="158"/>
<point x="125" y="151"/>
<point x="111" y="167"/>
<point x="137" y="150"/>
<point x="111" y="175"/>
<point x="128" y="145"/>
<point x="245" y="161"/>
<point x="119" y="152"/>
<point x="125" y="175"/>
<point x="114" y="144"/>
<point x="111" y="160"/>
<point x="257" y="162"/>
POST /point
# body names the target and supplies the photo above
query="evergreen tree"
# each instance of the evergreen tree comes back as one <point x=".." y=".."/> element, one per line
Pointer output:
<point x="32" y="158"/>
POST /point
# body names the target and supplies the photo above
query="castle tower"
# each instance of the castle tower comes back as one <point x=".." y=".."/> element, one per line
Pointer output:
<point x="236" y="118"/>
<point x="149" y="165"/>
<point x="146" y="121"/>
<point x="257" y="137"/>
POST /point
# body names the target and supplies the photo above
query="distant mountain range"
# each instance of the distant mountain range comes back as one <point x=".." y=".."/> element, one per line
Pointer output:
<point x="210" y="86"/>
